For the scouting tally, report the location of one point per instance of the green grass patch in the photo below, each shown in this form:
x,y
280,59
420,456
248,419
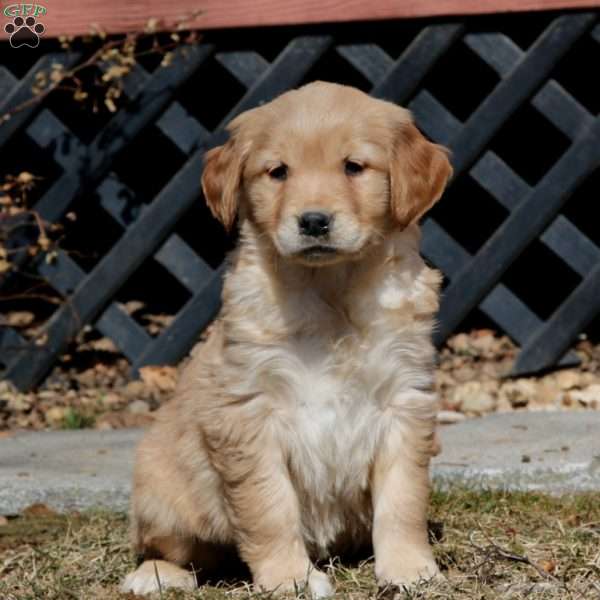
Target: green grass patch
x,y
75,419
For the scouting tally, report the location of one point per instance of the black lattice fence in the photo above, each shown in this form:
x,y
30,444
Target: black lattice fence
x,y
515,98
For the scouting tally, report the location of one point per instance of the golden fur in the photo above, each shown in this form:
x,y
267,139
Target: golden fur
x,y
305,424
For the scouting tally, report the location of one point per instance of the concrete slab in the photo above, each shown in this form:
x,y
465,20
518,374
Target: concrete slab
x,y
554,452
550,452
67,469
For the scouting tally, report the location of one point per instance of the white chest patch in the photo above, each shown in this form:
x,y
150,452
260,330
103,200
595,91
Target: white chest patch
x,y
331,431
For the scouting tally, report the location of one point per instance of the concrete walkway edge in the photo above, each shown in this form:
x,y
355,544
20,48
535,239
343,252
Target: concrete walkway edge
x,y
555,452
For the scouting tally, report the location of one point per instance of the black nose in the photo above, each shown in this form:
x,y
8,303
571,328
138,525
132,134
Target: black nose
x,y
314,224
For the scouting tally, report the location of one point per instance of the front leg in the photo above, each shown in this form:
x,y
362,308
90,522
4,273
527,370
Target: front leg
x,y
264,511
400,492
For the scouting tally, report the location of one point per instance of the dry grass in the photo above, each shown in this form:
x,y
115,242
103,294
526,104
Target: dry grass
x,y
493,545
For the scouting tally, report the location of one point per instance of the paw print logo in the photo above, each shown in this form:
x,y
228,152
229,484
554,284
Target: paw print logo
x,y
24,32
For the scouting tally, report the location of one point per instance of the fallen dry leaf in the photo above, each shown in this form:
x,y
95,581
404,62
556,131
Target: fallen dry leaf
x,y
42,340
156,323
122,420
19,318
103,344
163,378
4,265
132,306
39,510
549,566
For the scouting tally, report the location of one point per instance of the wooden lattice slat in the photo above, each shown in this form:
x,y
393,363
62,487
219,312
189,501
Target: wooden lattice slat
x,y
515,89
545,346
22,93
416,61
475,280
524,224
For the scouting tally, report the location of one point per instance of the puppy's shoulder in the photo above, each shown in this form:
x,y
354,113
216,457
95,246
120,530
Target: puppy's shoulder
x,y
406,284
205,356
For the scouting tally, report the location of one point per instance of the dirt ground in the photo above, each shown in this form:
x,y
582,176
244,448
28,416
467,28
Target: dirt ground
x,y
92,387
489,545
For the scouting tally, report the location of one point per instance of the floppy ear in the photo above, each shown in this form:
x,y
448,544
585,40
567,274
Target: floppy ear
x,y
419,172
222,179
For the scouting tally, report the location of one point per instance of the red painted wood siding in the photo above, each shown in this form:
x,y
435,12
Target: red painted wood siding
x,y
76,17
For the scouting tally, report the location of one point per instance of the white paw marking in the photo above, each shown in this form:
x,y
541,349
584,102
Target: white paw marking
x,y
319,585
144,579
406,576
315,585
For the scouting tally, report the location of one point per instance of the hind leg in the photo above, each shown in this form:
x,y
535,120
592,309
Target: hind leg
x,y
176,513
177,562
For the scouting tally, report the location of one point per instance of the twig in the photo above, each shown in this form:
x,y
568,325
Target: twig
x,y
39,222
95,59
494,551
55,84
160,590
30,296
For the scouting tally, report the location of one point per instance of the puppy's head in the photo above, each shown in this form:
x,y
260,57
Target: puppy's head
x,y
324,171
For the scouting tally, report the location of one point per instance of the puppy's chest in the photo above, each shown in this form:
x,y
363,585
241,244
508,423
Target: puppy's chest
x,y
331,430
337,393
334,417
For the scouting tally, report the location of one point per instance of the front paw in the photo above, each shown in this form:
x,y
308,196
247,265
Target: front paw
x,y
407,571
315,582
156,575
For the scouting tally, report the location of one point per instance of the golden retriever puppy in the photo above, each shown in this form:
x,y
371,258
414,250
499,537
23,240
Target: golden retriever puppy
x,y
304,426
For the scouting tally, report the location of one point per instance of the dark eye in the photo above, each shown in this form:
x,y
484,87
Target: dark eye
x,y
351,167
279,173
